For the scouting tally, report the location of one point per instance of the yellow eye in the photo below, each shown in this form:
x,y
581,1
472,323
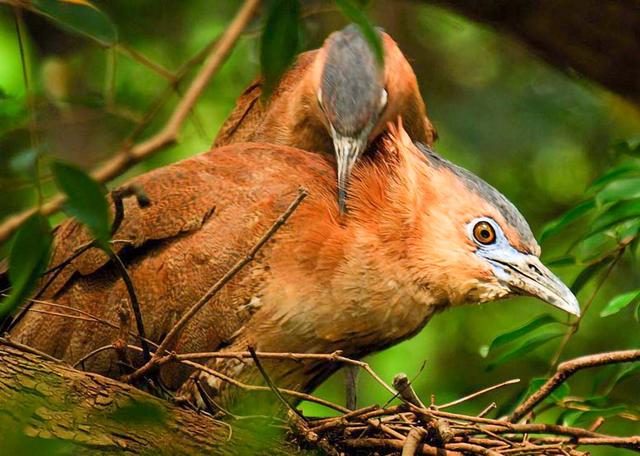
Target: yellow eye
x,y
484,233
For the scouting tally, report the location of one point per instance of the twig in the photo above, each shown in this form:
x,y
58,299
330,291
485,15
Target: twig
x,y
566,370
146,61
60,314
90,316
272,386
471,448
487,409
93,353
576,324
117,196
378,424
411,442
247,387
478,393
208,403
342,420
388,444
11,322
128,156
330,357
405,390
188,315
299,421
76,253
596,424
135,305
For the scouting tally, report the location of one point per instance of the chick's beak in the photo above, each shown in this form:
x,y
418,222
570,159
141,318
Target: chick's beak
x,y
525,274
347,149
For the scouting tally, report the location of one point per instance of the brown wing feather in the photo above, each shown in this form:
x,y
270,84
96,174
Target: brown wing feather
x,y
180,249
246,121
245,117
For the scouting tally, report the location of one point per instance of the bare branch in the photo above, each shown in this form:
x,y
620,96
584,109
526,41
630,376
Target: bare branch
x,y
478,393
566,370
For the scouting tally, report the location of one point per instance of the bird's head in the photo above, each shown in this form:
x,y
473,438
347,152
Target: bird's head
x,y
467,241
357,95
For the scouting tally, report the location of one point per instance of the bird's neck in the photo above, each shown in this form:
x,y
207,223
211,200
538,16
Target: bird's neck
x,y
348,280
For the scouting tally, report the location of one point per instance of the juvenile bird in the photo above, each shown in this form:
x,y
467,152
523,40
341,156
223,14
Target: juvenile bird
x,y
334,100
421,235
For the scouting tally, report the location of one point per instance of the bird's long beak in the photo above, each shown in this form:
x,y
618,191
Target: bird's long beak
x,y
347,149
525,274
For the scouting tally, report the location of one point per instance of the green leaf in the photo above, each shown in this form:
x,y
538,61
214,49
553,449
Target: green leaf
x,y
627,231
85,199
617,213
28,258
561,262
584,418
587,273
619,302
557,395
613,174
554,227
355,15
619,190
527,347
280,40
79,17
596,246
569,417
515,334
624,372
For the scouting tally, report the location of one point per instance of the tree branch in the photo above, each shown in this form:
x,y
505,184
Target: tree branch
x,y
566,370
85,413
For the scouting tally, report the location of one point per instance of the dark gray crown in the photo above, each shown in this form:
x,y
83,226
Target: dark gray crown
x,y
510,213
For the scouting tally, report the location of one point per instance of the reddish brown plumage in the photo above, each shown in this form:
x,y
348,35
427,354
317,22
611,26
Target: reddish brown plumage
x,y
292,116
357,282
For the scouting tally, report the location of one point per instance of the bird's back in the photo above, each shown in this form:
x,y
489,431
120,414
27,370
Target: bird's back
x,y
206,213
247,120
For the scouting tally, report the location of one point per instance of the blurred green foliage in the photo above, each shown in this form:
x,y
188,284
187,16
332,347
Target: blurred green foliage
x,y
562,149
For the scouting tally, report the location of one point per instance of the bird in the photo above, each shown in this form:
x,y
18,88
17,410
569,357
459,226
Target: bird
x,y
336,101
421,235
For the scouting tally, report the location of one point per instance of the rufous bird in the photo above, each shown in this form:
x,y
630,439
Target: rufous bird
x,y
421,235
334,100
